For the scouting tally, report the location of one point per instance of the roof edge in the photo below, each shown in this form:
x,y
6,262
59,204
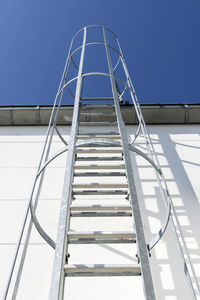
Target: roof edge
x,y
153,114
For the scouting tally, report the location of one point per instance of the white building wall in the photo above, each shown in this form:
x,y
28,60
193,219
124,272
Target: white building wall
x,y
178,148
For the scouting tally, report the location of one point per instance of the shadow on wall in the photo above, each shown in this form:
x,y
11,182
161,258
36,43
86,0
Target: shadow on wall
x,y
178,149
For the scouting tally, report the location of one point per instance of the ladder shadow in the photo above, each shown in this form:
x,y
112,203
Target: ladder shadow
x,y
165,259
118,252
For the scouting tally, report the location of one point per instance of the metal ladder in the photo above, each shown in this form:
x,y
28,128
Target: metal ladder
x,y
96,144
102,144
99,154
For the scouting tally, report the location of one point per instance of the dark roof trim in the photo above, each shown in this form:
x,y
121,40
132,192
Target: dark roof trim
x,y
153,114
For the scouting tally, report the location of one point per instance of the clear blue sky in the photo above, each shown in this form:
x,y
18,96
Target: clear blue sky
x,y
160,40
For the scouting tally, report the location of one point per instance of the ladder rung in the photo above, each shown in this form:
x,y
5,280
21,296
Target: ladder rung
x,y
87,174
93,185
95,166
102,270
100,192
86,106
97,123
97,98
100,234
100,136
93,150
98,207
101,214
93,158
98,133
100,143
103,241
107,114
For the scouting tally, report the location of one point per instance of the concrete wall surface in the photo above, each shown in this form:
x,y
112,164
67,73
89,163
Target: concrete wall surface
x,y
178,149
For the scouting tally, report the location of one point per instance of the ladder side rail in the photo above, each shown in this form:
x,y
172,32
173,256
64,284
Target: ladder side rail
x,y
44,155
57,282
142,247
165,193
